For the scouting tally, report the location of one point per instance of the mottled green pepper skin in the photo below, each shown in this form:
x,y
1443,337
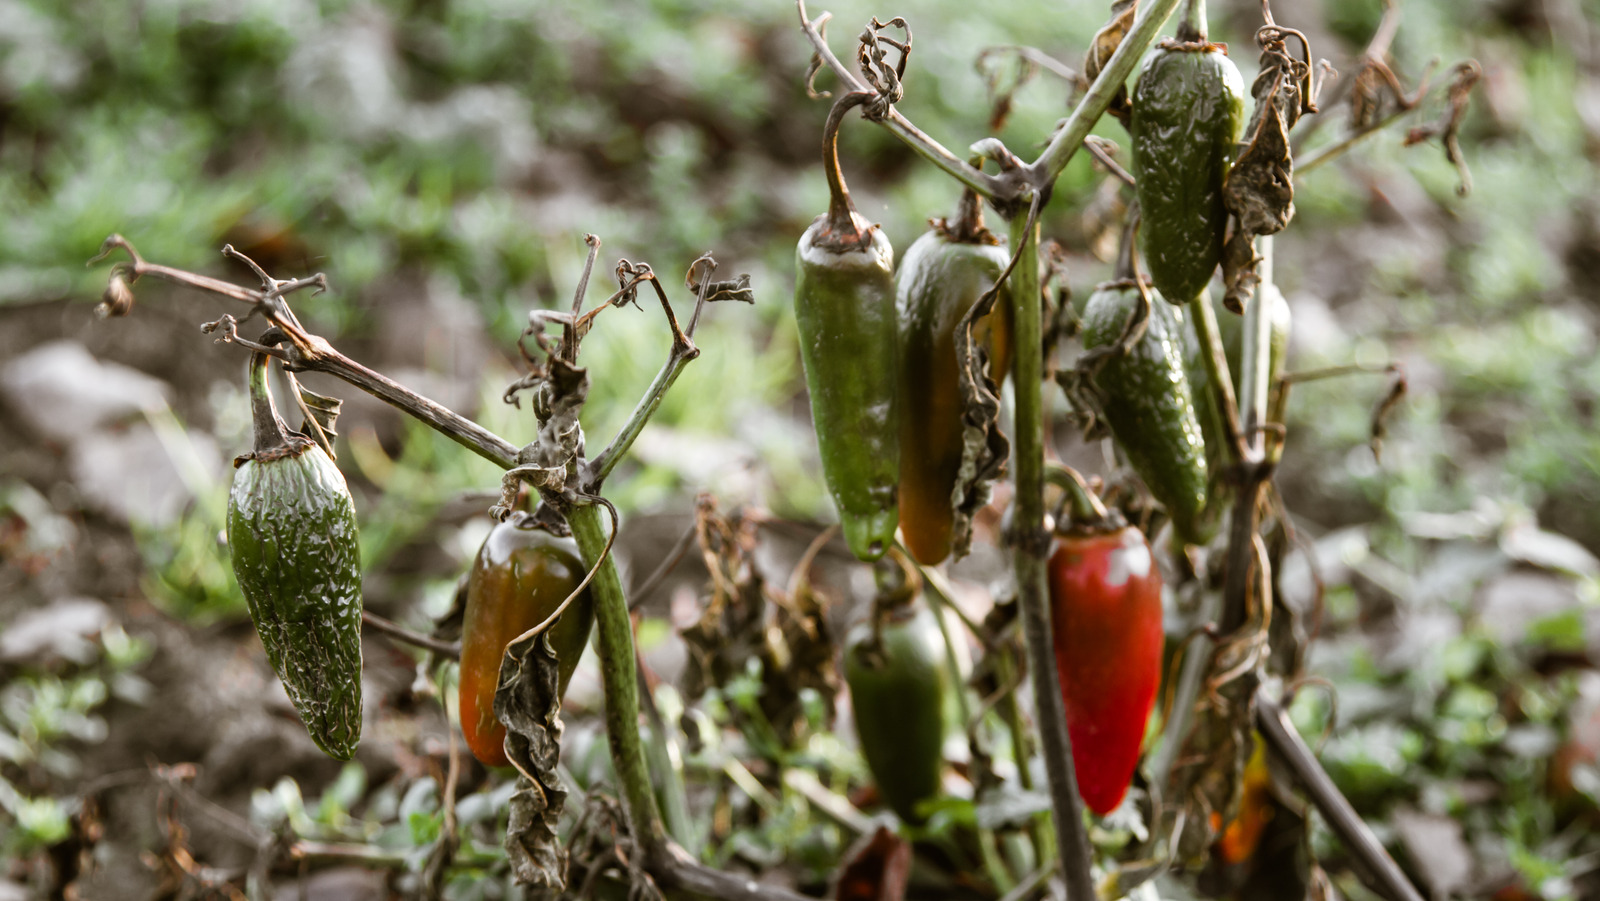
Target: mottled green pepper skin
x,y
899,707
1188,109
1149,406
844,306
292,537
938,282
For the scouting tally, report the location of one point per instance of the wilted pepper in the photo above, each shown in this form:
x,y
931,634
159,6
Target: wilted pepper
x,y
521,575
1188,108
941,276
844,307
292,537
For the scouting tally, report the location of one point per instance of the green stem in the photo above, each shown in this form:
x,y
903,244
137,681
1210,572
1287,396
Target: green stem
x,y
597,470
952,666
1011,712
1242,560
986,843
1031,545
1216,363
1087,509
1193,27
1112,76
1256,357
1175,730
617,669
666,764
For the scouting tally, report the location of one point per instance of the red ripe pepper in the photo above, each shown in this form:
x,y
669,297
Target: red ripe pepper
x,y
1105,605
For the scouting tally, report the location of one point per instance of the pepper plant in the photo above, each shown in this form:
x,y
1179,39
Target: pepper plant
x,y
966,311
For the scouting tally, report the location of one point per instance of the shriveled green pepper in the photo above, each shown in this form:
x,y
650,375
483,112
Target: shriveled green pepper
x,y
292,537
1148,403
844,307
1188,109
941,276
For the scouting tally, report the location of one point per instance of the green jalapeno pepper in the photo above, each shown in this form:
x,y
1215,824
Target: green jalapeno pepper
x,y
844,307
897,690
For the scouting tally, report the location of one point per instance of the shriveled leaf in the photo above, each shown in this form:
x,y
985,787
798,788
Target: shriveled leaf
x,y
809,649
737,289
527,702
559,391
1467,75
1106,41
984,448
1208,779
1002,82
118,297
732,624
1259,189
321,419
877,869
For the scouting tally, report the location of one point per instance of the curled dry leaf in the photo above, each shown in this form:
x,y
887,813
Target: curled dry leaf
x,y
1207,780
737,288
1001,81
559,391
796,651
1106,41
1380,413
731,628
984,448
321,417
1446,129
1259,189
118,297
528,703
887,80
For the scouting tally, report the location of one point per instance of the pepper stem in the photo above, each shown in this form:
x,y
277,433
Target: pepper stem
x,y
967,226
841,212
271,432
1087,510
1130,239
1192,29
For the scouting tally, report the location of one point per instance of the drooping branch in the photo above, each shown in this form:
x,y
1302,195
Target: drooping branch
x,y
667,864
305,352
1274,725
394,630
